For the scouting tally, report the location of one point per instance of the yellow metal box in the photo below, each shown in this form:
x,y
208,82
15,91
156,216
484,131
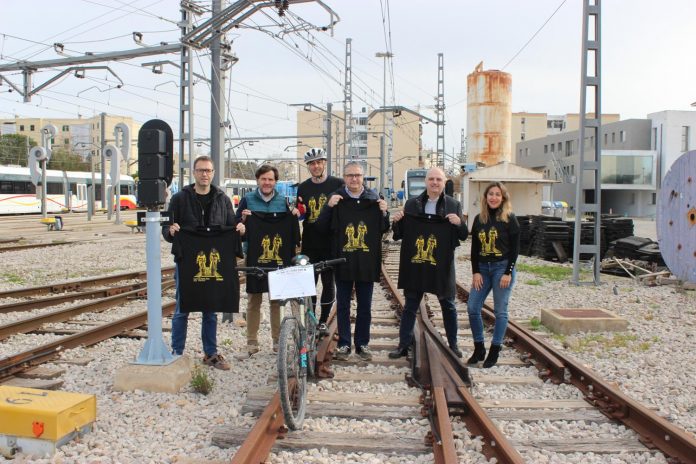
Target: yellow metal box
x,y
53,416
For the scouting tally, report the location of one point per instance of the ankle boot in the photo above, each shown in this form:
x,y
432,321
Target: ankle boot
x,y
479,353
492,358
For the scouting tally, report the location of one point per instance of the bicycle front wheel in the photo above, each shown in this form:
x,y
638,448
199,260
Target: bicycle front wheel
x,y
291,371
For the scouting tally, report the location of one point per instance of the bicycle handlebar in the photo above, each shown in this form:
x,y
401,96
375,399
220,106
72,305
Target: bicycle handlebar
x,y
261,271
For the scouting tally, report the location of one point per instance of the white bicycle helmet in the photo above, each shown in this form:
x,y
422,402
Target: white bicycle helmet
x,y
314,154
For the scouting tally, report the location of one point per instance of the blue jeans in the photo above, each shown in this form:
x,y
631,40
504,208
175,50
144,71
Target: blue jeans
x,y
180,327
491,273
408,318
363,293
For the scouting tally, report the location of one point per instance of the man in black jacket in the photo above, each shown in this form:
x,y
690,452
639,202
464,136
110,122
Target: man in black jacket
x,y
313,194
356,218
420,272
199,204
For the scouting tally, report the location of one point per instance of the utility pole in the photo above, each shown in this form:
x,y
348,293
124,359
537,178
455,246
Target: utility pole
x,y
217,103
440,111
328,136
348,105
102,144
386,56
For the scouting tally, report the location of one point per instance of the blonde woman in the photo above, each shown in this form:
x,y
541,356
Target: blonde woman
x,y
495,243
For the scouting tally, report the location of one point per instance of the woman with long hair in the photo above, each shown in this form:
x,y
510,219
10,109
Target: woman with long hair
x,y
495,243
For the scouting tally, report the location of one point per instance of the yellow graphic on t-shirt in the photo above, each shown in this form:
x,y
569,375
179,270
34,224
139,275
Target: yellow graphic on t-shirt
x,y
488,242
356,242
207,266
424,253
315,205
271,253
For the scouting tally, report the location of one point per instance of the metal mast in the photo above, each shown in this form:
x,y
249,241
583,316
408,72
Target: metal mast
x,y
217,102
440,111
348,106
590,162
188,9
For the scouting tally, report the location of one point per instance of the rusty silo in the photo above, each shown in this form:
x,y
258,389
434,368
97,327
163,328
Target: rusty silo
x,y
489,116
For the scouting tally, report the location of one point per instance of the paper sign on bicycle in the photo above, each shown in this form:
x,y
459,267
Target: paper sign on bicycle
x,y
291,282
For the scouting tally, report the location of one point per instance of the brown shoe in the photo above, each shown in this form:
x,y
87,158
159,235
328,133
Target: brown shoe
x,y
217,361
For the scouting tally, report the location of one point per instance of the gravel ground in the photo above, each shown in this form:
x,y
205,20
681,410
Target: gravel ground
x,y
652,362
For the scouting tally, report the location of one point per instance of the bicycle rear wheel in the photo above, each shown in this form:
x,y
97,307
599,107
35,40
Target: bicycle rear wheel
x,y
293,402
311,338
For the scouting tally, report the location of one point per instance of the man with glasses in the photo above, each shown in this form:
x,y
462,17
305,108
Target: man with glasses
x,y
196,205
313,194
355,217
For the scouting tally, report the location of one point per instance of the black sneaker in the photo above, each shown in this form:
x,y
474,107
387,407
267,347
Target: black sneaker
x,y
398,353
322,329
342,353
365,353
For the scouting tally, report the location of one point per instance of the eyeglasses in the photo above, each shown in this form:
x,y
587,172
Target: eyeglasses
x,y
204,171
352,175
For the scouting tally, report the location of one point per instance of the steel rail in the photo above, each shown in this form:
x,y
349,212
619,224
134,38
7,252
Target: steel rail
x,y
22,361
62,315
326,347
655,431
39,303
32,246
74,285
549,365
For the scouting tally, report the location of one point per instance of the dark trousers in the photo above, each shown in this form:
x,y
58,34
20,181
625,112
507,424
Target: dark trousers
x,y
408,318
328,289
363,293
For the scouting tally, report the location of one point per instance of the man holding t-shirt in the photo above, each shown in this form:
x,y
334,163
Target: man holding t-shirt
x,y
430,228
313,194
355,218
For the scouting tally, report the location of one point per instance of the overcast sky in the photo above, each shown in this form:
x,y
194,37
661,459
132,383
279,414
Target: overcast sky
x,y
648,59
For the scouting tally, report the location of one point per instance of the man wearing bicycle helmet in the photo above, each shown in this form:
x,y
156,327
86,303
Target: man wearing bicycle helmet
x,y
313,194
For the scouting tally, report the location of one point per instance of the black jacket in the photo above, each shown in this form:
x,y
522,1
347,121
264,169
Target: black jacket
x,y
186,210
445,205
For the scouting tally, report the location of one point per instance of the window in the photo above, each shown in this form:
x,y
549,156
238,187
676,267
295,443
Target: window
x,y
559,147
654,199
553,145
21,127
66,141
685,138
31,127
606,139
66,128
546,148
520,153
526,152
654,138
613,137
622,136
569,147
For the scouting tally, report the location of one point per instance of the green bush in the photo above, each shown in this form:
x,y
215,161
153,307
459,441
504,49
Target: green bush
x,y
201,382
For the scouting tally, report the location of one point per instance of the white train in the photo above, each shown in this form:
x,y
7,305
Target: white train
x,y
18,194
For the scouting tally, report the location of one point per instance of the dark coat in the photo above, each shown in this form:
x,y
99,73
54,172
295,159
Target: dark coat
x,y
445,205
186,210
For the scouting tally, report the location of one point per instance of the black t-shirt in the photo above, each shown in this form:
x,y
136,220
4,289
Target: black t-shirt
x,y
207,263
205,201
272,238
314,197
357,236
427,251
495,241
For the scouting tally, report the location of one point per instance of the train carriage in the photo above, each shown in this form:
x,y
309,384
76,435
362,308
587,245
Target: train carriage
x,y
18,194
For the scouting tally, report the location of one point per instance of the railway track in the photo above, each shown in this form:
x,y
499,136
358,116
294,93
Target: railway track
x,y
536,404
60,324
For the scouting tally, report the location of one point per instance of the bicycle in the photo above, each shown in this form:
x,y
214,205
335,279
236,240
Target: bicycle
x,y
297,346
